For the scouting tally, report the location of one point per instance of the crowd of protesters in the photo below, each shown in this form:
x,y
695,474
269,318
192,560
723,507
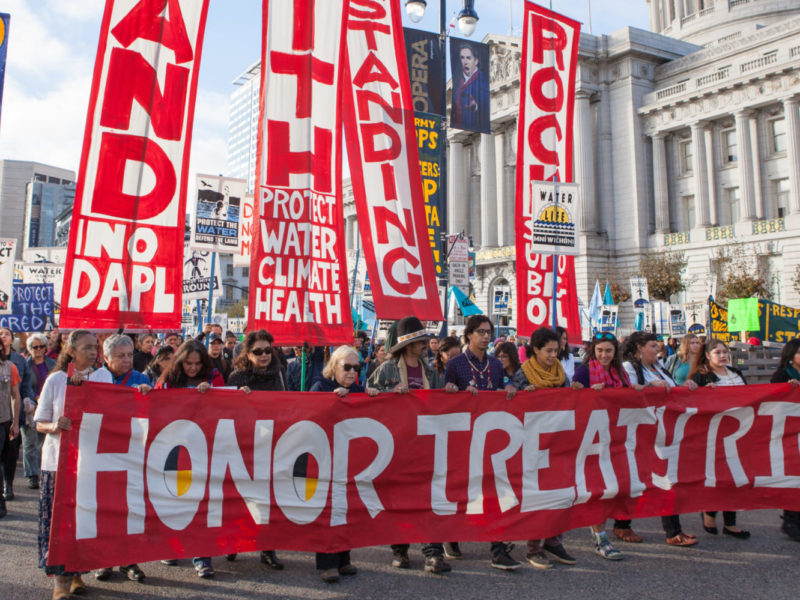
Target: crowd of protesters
x,y
36,369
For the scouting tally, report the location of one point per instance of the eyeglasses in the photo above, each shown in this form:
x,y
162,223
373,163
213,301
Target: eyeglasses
x,y
604,336
260,351
347,367
38,347
483,331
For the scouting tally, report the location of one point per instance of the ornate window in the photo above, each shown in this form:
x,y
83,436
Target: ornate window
x,y
777,130
730,150
685,153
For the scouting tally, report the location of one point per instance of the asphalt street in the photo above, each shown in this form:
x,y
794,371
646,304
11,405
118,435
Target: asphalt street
x,y
719,567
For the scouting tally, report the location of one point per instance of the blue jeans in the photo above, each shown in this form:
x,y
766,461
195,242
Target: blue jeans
x,y
31,450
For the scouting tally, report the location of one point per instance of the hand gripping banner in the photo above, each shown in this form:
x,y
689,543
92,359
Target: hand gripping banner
x,y
298,268
549,61
124,265
384,163
178,473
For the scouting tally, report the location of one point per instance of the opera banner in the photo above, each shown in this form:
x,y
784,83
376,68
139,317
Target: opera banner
x,y
217,213
178,474
425,69
384,163
34,308
777,323
298,267
544,153
5,20
242,257
470,108
429,144
718,316
124,261
7,249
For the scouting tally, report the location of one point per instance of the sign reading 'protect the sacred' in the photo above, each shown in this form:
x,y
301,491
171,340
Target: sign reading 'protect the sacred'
x,y
124,264
177,473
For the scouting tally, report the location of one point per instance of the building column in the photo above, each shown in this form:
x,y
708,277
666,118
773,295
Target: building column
x,y
793,151
758,197
500,180
457,197
745,165
660,189
584,162
700,174
348,233
488,212
711,176
355,238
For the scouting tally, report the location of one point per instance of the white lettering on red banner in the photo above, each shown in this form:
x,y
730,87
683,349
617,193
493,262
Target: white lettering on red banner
x,y
549,61
231,473
124,264
297,269
384,163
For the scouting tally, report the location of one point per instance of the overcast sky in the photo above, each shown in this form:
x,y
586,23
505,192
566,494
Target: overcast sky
x,y
53,44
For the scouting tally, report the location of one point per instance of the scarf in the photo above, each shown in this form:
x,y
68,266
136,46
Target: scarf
x,y
401,366
610,378
541,377
793,373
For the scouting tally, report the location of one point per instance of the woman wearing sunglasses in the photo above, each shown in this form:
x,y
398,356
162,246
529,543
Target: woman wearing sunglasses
x,y
40,366
602,368
339,376
257,367
711,368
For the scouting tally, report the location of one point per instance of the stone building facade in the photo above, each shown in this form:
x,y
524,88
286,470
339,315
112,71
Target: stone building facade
x,y
686,138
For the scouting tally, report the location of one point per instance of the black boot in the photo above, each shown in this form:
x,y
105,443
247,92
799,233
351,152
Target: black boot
x,y
3,510
791,524
9,490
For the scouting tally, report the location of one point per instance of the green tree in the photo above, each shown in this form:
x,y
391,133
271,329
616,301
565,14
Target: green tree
x,y
741,274
664,273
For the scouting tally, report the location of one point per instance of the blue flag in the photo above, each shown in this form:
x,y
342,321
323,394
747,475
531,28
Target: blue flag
x,y
594,305
607,297
467,306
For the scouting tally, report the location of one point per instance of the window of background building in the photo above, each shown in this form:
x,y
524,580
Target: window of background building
x,y
229,293
734,205
688,209
685,150
39,177
246,272
777,129
229,270
781,187
729,147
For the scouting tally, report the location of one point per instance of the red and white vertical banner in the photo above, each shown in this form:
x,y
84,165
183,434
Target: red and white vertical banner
x,y
549,61
384,163
124,265
299,271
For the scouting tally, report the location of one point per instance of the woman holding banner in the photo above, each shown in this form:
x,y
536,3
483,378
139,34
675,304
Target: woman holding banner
x,y
339,376
160,363
642,368
788,371
192,368
680,363
544,370
74,365
601,369
257,367
711,368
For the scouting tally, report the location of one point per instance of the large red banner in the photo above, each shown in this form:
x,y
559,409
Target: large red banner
x,y
177,473
544,151
384,163
124,264
298,269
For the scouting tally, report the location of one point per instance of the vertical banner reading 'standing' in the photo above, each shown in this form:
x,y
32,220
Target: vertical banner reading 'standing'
x,y
549,61
124,265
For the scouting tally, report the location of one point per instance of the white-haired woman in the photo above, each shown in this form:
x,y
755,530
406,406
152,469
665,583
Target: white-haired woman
x,y
339,376
118,351
40,366
74,365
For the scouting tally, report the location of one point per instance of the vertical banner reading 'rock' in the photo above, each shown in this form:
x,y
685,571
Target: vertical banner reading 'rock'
x,y
384,163
124,266
549,61
298,268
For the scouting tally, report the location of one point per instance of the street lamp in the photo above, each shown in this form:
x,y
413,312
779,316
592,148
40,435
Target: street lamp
x,y
467,21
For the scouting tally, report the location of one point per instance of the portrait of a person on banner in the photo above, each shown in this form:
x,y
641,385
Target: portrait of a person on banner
x,y
469,62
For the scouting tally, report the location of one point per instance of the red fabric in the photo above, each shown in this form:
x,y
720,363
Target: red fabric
x,y
608,377
384,164
535,442
15,378
124,262
298,259
544,151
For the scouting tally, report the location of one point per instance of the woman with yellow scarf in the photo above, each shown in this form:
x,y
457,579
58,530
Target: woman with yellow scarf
x,y
544,370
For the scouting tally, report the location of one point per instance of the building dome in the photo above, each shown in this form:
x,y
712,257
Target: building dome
x,y
711,22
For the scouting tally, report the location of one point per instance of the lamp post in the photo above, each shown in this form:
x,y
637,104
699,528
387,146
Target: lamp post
x,y
467,22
